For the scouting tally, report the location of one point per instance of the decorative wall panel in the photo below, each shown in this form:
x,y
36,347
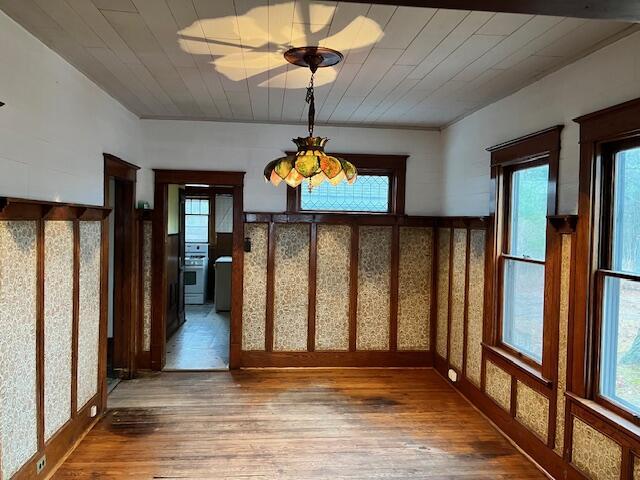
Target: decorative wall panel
x,y
58,323
147,247
332,287
458,280
636,469
414,288
89,311
563,320
374,288
532,410
254,285
595,454
475,306
498,385
18,290
442,320
291,287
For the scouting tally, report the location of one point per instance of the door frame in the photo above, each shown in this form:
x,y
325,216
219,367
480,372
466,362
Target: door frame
x,y
125,290
163,178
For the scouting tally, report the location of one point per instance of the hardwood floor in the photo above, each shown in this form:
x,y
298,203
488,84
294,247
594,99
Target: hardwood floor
x,y
294,424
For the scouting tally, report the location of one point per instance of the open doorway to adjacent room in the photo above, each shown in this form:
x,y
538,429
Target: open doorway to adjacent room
x,y
200,219
200,230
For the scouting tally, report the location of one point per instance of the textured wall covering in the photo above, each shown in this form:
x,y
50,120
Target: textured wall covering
x,y
498,385
458,278
442,325
532,410
18,277
89,312
636,469
562,341
414,288
475,306
332,287
58,324
147,247
595,454
254,297
374,288
291,287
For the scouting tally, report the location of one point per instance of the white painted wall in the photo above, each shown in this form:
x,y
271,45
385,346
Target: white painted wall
x,y
56,124
606,77
249,147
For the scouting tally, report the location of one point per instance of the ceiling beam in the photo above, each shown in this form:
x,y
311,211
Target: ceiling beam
x,y
624,10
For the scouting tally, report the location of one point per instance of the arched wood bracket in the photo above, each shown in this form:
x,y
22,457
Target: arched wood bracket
x,y
24,209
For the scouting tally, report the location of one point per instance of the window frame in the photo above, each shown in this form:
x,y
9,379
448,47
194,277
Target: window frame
x,y
208,215
392,166
603,251
539,148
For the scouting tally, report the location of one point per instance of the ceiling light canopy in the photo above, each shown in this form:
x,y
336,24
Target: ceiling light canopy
x,y
310,163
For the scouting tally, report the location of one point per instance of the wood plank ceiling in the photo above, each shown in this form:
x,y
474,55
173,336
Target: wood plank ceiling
x,y
222,59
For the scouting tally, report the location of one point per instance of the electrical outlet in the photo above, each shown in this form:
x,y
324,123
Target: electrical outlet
x,y
94,411
453,375
41,464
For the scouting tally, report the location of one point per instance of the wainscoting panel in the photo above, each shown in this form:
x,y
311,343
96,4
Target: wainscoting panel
x,y
414,288
332,287
291,288
58,323
18,291
595,454
255,287
636,469
458,298
374,288
89,311
498,385
475,307
147,247
532,410
442,280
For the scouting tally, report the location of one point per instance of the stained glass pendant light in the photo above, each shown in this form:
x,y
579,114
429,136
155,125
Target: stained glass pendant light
x,y
310,163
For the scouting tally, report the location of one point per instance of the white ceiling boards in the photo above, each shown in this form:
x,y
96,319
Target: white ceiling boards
x,y
222,59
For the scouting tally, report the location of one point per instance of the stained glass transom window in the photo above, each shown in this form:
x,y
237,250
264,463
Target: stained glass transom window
x,y
370,193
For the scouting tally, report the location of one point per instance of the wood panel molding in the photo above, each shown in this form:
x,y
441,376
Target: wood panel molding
x,y
12,208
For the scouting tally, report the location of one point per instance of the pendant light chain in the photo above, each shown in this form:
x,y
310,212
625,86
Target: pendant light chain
x,y
310,99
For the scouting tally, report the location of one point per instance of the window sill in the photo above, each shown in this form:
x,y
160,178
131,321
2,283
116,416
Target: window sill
x,y
516,366
602,413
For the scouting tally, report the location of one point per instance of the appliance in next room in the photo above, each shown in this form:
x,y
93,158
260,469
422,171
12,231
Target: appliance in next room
x,y
223,284
196,264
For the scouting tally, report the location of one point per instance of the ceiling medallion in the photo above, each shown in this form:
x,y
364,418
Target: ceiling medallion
x,y
310,162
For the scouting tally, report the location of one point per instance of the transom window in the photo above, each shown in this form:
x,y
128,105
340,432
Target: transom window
x,y
618,278
370,193
523,259
196,220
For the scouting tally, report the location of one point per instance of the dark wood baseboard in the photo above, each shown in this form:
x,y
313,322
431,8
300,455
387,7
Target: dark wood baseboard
x,y
62,443
336,359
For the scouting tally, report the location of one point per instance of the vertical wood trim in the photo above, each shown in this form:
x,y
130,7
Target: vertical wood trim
x,y
395,280
237,278
435,233
313,268
159,277
40,329
104,317
514,395
76,318
271,251
487,320
465,320
448,362
353,287
626,468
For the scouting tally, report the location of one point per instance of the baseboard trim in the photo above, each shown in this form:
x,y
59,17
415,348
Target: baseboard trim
x,y
250,359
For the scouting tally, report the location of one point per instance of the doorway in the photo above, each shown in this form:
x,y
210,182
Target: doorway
x,y
119,195
195,323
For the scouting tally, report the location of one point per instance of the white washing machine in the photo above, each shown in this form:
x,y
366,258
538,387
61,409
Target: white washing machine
x,y
196,263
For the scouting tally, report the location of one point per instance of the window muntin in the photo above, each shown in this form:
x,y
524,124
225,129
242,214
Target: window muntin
x,y
523,264
619,303
197,220
370,193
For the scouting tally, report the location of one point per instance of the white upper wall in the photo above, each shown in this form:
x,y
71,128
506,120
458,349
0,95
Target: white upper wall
x,y
56,124
249,147
606,77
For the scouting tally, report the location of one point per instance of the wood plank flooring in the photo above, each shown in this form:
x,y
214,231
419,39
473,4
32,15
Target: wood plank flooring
x,y
294,424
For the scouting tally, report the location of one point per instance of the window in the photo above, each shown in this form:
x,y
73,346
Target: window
x,y
197,220
379,188
618,278
523,259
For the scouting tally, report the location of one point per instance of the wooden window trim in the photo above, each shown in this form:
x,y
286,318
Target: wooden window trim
x,y
395,166
538,148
